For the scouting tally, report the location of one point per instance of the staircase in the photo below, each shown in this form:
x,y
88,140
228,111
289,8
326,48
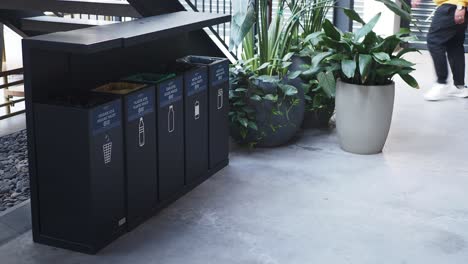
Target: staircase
x,y
36,17
28,17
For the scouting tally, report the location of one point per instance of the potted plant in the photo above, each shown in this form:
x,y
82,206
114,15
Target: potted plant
x,y
365,65
266,108
319,98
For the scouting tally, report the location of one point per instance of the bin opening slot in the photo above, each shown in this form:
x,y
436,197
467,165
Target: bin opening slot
x,y
198,60
119,88
153,78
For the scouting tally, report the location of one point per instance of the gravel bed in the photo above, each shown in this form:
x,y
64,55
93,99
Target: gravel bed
x,y
14,172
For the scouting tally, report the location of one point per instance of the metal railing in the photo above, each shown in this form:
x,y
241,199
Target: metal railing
x,y
221,31
6,85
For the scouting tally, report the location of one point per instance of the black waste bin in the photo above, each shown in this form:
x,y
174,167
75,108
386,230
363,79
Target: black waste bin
x,y
218,107
78,148
196,120
170,131
139,123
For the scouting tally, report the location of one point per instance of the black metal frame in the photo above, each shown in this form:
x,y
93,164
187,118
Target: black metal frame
x,y
213,31
340,20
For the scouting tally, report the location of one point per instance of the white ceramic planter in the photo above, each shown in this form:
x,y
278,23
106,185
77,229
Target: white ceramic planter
x,y
363,116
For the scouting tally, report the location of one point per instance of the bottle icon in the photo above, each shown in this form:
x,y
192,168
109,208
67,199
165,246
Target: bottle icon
x,y
107,149
141,132
170,119
197,110
220,98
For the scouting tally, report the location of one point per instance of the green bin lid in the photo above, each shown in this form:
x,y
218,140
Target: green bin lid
x,y
151,78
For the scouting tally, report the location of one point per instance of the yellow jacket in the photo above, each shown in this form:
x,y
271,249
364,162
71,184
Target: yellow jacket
x,y
453,2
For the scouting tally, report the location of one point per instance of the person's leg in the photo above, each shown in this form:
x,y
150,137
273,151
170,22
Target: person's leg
x,y
456,55
443,29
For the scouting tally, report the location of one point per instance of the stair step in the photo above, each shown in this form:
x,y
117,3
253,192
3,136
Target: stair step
x,y
47,24
94,7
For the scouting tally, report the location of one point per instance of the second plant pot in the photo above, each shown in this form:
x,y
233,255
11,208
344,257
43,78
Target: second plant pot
x,y
277,122
363,116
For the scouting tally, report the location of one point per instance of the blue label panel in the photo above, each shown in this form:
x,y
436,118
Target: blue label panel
x,y
219,73
140,103
196,81
170,91
106,117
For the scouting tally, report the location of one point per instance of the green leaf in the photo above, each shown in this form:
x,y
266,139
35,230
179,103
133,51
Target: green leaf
x,y
328,83
388,45
243,121
294,74
256,98
406,50
336,45
396,9
331,31
317,59
313,37
286,64
403,32
399,63
367,28
353,15
252,125
310,73
240,90
264,66
348,67
239,103
271,97
288,56
248,110
381,56
365,63
287,89
337,57
370,40
410,80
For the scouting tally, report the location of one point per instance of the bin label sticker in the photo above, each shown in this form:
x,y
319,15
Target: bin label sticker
x,y
219,73
106,117
195,82
140,104
170,92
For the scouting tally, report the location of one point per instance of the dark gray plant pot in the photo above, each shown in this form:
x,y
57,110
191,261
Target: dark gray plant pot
x,y
297,61
264,136
265,119
317,119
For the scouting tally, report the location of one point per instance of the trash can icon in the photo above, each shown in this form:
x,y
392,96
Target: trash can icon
x,y
107,150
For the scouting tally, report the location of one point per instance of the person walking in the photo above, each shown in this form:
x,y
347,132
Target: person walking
x,y
445,40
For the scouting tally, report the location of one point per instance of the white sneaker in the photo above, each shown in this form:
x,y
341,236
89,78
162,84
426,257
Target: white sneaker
x,y
458,91
437,92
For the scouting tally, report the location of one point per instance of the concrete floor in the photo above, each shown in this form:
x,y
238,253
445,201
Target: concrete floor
x,y
310,202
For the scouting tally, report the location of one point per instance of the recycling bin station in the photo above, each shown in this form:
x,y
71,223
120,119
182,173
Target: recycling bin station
x,y
139,123
111,140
